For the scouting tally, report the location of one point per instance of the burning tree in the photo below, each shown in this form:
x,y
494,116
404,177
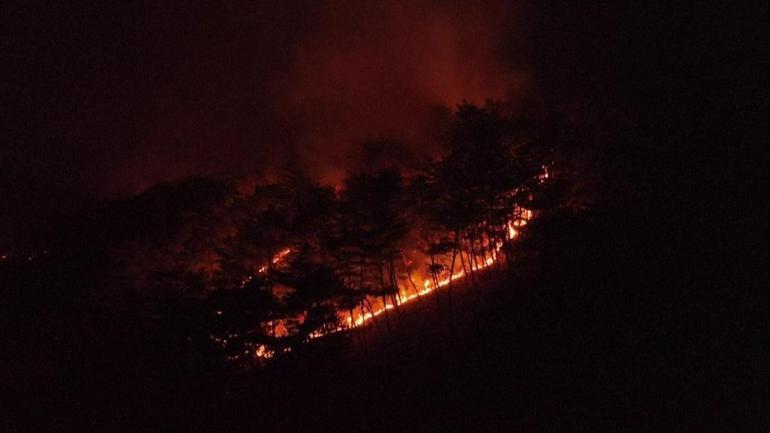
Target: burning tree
x,y
293,260
372,223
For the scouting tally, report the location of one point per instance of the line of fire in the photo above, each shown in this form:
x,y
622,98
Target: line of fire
x,y
290,261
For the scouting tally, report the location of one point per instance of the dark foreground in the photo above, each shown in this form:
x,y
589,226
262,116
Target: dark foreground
x,y
602,330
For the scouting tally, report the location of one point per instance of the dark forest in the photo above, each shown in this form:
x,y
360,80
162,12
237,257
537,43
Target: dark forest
x,y
382,216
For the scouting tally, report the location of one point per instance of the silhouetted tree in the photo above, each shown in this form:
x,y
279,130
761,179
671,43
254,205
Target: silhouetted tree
x,y
373,211
237,315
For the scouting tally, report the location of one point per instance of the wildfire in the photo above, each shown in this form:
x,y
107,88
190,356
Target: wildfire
x,y
428,287
518,223
350,319
278,258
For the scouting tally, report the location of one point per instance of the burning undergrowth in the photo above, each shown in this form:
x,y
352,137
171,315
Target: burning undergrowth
x,y
291,260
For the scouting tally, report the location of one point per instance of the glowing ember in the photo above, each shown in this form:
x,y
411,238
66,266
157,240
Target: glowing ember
x,y
353,319
357,320
428,287
276,259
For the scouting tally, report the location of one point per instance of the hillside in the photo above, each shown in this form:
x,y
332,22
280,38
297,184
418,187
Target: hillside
x,y
564,345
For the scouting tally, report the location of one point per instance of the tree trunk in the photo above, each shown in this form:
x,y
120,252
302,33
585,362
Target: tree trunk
x,y
469,253
485,249
508,250
371,311
384,300
465,271
394,295
363,330
496,255
473,263
434,278
409,276
451,274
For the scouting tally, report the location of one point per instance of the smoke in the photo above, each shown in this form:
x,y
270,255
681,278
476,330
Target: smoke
x,y
392,71
306,84
107,99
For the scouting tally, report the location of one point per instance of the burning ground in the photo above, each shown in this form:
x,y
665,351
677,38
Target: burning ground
x,y
289,260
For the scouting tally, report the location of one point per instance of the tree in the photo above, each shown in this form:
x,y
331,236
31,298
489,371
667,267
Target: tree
x,y
491,166
372,212
236,317
316,293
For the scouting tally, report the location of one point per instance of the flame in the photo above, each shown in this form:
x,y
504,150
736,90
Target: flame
x,y
402,298
276,259
263,352
428,286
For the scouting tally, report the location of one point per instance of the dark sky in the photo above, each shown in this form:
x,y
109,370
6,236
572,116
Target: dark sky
x,y
103,99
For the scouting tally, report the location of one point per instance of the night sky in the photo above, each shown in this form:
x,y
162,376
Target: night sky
x,y
102,99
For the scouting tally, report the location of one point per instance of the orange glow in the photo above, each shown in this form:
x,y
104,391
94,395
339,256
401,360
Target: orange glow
x,y
403,297
263,352
276,259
